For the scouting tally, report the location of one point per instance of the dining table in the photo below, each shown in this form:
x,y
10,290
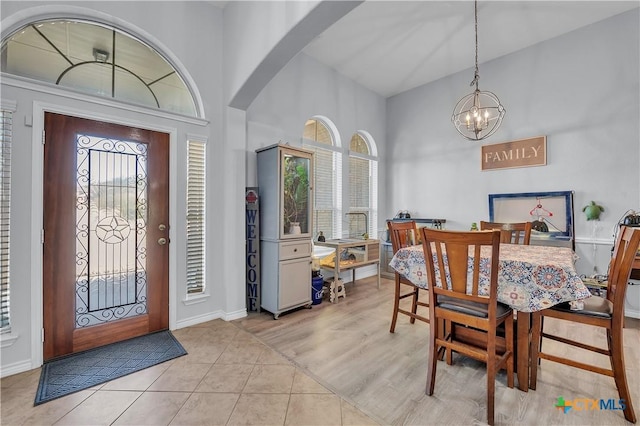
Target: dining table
x,y
530,278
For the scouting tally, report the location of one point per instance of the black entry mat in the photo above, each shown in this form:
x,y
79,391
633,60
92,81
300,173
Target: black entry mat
x,y
73,373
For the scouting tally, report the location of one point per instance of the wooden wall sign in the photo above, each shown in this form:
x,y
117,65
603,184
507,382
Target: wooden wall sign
x,y
519,153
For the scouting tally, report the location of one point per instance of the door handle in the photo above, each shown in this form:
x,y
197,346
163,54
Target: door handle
x,y
162,227
162,241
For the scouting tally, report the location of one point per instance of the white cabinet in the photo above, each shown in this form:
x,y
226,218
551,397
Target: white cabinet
x,y
285,175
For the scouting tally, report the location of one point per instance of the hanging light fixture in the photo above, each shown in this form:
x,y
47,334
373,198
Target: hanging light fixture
x,y
479,114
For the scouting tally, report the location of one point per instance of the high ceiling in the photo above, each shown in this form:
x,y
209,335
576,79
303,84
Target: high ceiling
x,y
393,46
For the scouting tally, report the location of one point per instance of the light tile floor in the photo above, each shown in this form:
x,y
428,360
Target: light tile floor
x,y
227,378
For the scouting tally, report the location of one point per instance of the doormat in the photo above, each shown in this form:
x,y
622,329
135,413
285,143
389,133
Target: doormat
x,y
73,373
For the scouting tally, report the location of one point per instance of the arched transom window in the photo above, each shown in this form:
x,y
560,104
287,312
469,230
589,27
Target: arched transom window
x,y
97,59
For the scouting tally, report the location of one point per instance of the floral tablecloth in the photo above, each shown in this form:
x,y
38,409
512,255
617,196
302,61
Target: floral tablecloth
x,y
531,278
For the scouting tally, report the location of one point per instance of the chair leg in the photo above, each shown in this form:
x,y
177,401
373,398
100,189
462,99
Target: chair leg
x,y
433,356
508,331
536,340
540,343
414,304
396,306
449,327
491,379
616,349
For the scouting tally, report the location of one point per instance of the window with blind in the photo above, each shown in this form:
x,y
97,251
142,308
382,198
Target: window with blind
x,y
363,188
196,217
327,187
5,198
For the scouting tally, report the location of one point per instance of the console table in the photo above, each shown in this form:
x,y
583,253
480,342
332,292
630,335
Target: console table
x,y
349,254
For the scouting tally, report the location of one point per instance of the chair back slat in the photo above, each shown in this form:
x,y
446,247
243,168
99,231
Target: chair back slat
x,y
442,268
620,267
476,269
510,233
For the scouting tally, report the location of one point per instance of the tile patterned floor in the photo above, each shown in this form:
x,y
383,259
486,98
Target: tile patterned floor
x,y
228,378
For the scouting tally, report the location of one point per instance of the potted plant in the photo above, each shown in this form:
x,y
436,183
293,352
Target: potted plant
x,y
296,194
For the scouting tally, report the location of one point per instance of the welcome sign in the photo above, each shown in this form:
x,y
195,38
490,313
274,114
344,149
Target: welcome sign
x,y
519,153
253,249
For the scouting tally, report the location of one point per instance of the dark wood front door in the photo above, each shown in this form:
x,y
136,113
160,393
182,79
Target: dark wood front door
x,y
106,221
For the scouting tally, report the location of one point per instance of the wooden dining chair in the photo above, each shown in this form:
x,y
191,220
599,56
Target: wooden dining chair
x,y
459,298
513,233
607,313
404,234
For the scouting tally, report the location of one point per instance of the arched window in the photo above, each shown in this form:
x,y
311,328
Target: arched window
x,y
363,186
98,59
321,137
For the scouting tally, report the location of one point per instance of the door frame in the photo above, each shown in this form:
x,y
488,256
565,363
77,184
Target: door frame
x,y
37,211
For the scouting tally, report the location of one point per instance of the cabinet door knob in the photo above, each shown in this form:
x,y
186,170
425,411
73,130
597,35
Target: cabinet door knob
x,y
295,250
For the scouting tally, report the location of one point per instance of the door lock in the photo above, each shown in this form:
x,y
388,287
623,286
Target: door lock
x,y
162,241
162,227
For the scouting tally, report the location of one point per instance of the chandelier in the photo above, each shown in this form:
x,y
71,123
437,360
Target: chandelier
x,y
479,114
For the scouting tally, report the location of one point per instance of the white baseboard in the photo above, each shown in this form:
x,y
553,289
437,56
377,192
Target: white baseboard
x,y
226,316
199,319
15,368
632,313
230,316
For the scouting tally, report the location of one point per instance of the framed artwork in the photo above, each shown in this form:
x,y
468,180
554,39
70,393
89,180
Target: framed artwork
x,y
551,213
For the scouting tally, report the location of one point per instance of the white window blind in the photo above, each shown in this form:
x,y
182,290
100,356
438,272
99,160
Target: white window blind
x,y
327,190
327,166
196,217
363,188
5,198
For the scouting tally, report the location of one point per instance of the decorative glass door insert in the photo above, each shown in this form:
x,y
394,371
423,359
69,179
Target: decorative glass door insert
x,y
111,220
296,193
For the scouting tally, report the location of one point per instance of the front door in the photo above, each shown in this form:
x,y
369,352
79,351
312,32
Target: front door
x,y
106,212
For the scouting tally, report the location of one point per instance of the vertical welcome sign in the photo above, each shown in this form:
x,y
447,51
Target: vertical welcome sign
x,y
253,249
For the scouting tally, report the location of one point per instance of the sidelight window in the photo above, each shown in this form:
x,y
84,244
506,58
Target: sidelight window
x,y
196,191
6,117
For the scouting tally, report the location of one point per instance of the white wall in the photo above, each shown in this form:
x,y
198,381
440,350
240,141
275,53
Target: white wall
x,y
305,88
262,36
580,90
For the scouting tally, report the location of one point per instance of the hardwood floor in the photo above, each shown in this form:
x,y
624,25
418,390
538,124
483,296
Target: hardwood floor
x,y
347,347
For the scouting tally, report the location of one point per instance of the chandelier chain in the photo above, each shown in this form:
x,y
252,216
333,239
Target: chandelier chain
x,y
477,75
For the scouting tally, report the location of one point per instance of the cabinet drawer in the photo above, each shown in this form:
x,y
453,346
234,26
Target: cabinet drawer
x,y
293,249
